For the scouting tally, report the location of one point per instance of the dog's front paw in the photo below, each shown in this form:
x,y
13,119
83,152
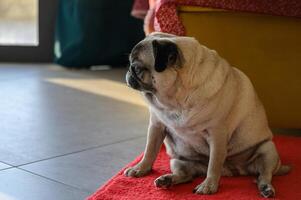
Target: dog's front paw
x,y
137,171
208,186
164,181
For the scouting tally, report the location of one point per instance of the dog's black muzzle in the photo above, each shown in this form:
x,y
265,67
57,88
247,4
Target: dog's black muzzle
x,y
135,82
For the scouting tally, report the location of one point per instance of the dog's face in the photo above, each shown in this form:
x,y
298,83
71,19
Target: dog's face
x,y
153,64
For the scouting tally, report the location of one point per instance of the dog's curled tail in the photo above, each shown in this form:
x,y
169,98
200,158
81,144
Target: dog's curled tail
x,y
283,170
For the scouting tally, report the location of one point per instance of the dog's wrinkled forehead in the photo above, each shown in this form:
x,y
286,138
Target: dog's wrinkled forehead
x,y
143,52
155,51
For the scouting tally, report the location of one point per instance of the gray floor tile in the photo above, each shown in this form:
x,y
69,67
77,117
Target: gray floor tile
x,y
89,169
4,166
9,71
17,184
40,119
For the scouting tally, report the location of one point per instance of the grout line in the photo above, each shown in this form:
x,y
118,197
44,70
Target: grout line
x,y
82,150
7,168
7,164
50,179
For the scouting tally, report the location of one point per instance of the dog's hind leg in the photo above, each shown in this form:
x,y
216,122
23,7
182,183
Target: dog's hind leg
x,y
182,171
265,165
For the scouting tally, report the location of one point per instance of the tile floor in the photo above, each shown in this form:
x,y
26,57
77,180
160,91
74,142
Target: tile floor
x,y
63,133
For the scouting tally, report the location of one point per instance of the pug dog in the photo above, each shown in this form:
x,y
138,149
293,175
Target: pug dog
x,y
205,111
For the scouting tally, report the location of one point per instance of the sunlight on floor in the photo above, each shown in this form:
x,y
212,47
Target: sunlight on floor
x,y
112,89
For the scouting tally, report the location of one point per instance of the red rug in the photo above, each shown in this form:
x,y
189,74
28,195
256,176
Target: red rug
x,y
238,188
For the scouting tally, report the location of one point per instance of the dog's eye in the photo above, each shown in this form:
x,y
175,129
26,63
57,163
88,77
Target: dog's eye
x,y
140,70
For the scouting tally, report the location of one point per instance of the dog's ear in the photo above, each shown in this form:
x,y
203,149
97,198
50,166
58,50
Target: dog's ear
x,y
165,54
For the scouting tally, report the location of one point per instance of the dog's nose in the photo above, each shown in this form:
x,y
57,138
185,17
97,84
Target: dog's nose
x,y
133,82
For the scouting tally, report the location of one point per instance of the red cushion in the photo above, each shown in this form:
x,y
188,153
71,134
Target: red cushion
x,y
166,19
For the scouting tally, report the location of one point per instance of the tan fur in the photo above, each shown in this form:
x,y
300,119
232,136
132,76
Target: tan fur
x,y
210,116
